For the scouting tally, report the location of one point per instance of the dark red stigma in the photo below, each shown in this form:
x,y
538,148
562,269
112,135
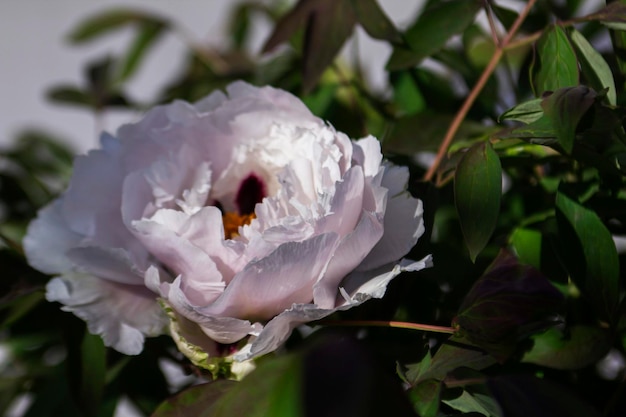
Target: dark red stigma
x,y
251,191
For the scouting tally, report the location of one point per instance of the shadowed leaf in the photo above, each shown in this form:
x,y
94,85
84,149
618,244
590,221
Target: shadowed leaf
x,y
594,67
432,30
565,108
375,22
327,24
574,348
103,23
524,396
195,400
591,257
456,352
477,193
507,304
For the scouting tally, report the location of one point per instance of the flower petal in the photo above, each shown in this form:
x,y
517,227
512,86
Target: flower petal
x,y
121,314
48,239
270,285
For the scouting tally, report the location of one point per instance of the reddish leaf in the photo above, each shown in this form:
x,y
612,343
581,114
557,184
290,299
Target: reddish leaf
x,y
508,303
328,24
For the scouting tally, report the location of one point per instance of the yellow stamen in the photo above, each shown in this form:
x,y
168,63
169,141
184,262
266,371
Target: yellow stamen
x,y
232,221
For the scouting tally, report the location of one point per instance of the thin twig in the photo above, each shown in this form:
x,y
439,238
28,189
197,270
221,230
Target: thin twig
x,y
473,95
492,24
393,324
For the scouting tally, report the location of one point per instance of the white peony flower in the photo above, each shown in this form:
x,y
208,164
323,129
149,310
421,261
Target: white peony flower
x,y
245,214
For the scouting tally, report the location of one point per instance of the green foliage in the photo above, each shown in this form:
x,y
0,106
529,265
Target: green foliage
x,y
522,209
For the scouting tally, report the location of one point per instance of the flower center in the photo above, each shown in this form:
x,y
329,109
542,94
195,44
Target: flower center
x,y
232,221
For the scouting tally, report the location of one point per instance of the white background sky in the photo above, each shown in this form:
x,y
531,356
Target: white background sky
x,y
34,56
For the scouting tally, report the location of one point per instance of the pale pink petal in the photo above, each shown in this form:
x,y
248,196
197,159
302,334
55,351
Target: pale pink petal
x,y
121,314
278,330
270,285
114,264
351,251
48,239
403,222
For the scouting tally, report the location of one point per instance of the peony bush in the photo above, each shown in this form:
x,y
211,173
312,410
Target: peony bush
x,y
234,219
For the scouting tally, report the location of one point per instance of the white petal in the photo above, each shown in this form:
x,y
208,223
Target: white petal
x,y
403,222
121,314
114,264
351,251
48,239
278,330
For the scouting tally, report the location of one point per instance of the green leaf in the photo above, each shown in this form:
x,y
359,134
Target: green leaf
x,y
406,93
508,303
594,67
476,401
273,389
71,95
477,193
558,66
526,112
93,372
195,400
591,257
425,397
145,38
573,348
455,353
527,246
103,23
432,30
565,108
375,22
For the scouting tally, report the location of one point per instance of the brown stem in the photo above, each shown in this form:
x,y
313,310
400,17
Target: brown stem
x,y
394,324
473,95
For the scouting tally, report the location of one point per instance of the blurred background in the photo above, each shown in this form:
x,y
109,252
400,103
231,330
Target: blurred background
x,y
35,56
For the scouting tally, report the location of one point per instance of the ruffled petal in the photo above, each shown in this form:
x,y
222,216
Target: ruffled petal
x,y
278,330
270,285
121,314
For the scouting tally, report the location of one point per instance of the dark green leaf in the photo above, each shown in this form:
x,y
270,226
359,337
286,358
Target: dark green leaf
x,y
507,304
195,400
477,192
524,396
526,112
374,20
539,131
406,93
145,38
432,30
93,366
565,108
273,389
558,67
594,67
103,23
328,23
475,400
573,348
453,354
591,257
72,96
